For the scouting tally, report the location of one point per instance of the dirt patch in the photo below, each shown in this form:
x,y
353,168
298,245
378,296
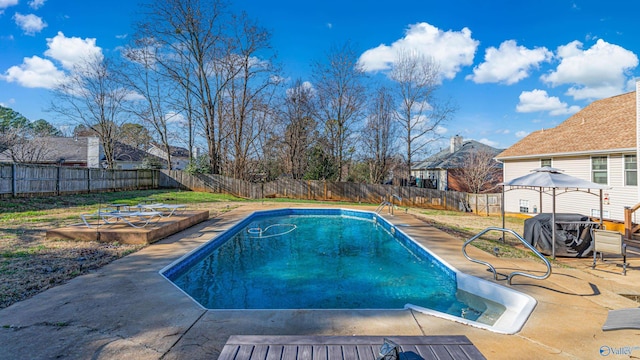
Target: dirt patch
x,y
30,263
26,271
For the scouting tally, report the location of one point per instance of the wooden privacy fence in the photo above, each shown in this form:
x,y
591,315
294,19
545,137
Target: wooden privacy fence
x,y
334,191
30,180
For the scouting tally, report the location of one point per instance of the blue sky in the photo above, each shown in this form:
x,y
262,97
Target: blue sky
x,y
511,67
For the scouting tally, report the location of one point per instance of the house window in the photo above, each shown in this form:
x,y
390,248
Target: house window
x,y
599,169
524,206
545,162
630,170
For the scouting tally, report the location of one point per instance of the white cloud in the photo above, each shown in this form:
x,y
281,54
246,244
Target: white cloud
x,y
440,130
11,101
521,134
508,64
488,142
175,117
330,25
30,24
38,72
123,36
35,72
6,3
539,100
70,51
304,87
598,72
133,96
451,50
36,4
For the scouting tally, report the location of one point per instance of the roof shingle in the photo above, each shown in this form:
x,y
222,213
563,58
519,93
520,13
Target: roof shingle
x,y
607,124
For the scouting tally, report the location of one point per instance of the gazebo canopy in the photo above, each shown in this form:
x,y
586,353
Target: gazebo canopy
x,y
548,177
551,178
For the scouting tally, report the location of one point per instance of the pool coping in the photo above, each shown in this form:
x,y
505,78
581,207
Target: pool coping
x,y
519,306
126,310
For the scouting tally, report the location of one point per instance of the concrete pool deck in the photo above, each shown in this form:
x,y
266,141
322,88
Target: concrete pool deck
x,y
126,310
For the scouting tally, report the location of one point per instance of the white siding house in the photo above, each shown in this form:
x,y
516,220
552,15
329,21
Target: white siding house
x,y
179,155
598,143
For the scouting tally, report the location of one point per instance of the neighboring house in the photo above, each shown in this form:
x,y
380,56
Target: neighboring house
x,y
179,155
444,170
78,152
50,151
128,157
597,143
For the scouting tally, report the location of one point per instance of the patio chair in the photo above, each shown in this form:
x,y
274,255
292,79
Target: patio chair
x,y
136,219
165,210
605,241
98,215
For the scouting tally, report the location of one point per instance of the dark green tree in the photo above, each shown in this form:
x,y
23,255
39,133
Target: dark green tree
x,y
13,126
199,165
44,128
321,165
10,118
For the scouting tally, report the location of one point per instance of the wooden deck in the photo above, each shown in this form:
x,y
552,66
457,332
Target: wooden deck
x,y
346,347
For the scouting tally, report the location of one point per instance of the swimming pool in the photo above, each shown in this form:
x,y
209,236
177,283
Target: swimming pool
x,y
337,259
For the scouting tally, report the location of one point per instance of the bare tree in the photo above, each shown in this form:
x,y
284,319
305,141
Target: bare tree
x,y
190,35
248,94
27,149
297,119
378,135
145,78
420,113
93,96
341,98
479,172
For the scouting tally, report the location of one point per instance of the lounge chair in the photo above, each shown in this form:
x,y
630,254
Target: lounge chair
x,y
165,210
605,241
136,219
98,214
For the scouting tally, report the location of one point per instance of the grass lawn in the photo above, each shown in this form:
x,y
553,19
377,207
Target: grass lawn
x,y
29,263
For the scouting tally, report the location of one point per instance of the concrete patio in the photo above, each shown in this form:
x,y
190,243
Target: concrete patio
x,y
126,310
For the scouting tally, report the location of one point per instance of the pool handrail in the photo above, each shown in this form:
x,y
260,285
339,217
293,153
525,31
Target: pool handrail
x,y
515,273
380,207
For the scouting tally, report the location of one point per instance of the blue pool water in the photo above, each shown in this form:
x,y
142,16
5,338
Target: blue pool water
x,y
318,261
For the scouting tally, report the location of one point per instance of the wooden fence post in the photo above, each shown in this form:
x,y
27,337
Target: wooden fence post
x,y
325,189
14,181
486,202
58,180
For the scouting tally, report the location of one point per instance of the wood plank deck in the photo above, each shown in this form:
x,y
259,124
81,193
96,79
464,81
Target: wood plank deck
x,y
345,347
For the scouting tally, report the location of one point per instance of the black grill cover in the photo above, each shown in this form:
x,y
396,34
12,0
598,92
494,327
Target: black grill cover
x,y
573,236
